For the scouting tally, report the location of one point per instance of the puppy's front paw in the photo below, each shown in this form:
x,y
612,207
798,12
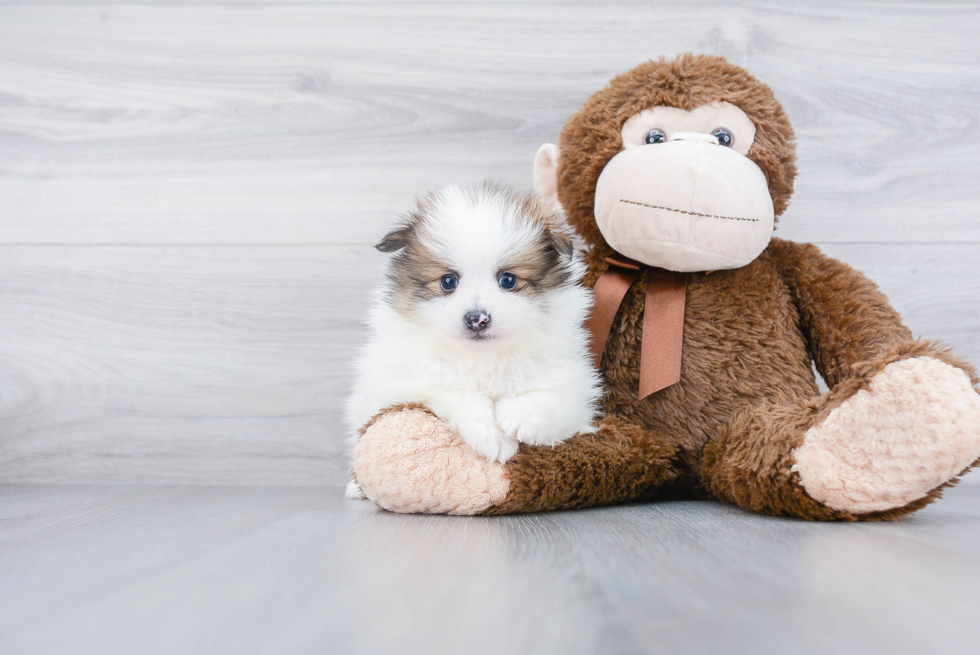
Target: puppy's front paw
x,y
523,419
483,436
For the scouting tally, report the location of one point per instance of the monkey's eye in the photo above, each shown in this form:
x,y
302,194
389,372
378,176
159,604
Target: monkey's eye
x,y
448,282
507,281
655,136
724,137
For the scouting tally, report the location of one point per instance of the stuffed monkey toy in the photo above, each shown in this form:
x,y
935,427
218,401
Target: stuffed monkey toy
x,y
705,328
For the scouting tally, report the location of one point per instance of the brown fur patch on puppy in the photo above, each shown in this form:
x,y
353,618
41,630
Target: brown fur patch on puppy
x,y
542,263
593,136
538,265
415,270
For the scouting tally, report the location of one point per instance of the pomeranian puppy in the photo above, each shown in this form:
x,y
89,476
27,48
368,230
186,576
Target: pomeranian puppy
x,y
480,317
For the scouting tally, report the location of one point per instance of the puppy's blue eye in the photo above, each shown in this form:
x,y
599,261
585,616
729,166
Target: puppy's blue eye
x,y
448,282
507,281
655,136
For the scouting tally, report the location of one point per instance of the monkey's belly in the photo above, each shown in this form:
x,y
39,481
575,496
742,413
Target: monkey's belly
x,y
742,346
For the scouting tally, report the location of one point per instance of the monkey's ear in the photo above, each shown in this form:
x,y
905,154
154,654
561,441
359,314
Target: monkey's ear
x,y
546,175
396,239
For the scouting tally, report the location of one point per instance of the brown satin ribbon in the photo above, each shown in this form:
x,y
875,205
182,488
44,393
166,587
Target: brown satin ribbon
x,y
663,320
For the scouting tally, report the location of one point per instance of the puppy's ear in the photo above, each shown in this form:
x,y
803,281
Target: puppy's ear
x,y
396,239
561,240
402,235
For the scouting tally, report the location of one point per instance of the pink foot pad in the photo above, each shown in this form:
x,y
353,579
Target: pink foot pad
x,y
912,429
409,461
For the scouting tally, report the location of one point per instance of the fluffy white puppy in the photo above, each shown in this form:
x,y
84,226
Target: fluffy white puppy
x,y
480,317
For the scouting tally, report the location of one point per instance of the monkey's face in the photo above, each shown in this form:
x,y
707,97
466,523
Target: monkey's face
x,y
682,164
682,195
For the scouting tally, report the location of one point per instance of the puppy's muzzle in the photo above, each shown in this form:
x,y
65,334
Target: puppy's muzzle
x,y
477,321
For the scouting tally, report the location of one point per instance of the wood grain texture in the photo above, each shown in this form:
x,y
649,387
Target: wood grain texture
x,y
229,364
291,570
317,123
209,364
188,193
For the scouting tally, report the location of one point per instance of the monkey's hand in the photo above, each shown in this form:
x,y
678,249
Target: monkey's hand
x,y
408,460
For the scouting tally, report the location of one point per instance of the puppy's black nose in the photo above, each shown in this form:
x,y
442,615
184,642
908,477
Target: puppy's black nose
x,y
477,320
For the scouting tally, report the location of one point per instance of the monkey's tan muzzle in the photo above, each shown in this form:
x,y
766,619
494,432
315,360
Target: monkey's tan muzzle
x,y
686,205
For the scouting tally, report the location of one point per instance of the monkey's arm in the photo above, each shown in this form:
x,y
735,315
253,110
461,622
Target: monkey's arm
x,y
617,463
407,460
901,421
844,316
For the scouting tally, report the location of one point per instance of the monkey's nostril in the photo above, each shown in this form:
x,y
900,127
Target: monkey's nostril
x,y
477,320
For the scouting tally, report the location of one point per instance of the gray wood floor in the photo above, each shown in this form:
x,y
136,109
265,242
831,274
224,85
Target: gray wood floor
x,y
181,569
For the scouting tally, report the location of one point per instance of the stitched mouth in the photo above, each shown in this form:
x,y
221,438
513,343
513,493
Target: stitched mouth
x,y
681,211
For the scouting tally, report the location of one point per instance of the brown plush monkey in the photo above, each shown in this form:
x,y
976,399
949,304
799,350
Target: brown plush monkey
x,y
674,175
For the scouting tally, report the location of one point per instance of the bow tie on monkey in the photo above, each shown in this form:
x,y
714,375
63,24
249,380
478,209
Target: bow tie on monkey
x,y
681,196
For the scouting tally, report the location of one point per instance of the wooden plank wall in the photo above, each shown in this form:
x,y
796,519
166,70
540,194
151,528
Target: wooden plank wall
x,y
188,193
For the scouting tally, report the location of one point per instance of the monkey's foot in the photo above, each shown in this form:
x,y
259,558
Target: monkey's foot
x,y
912,429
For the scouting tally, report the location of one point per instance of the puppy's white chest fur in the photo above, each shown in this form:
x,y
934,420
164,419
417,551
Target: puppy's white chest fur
x,y
480,318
